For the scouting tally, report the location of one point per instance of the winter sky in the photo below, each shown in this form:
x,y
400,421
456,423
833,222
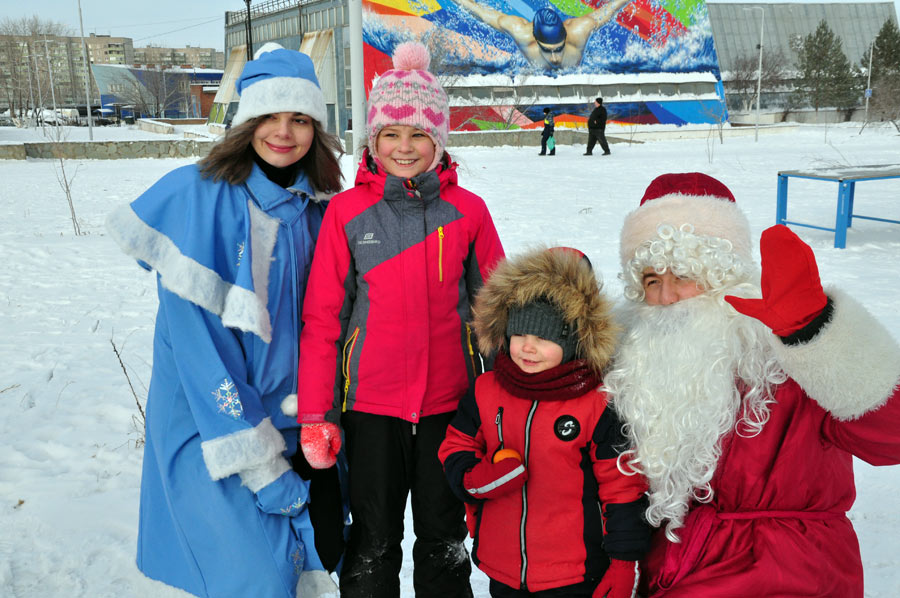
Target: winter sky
x,y
170,23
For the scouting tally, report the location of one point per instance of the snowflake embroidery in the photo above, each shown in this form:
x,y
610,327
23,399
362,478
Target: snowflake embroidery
x,y
293,508
228,400
297,557
240,252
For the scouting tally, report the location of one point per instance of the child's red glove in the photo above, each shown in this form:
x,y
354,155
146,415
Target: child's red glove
x,y
791,289
320,443
490,480
619,581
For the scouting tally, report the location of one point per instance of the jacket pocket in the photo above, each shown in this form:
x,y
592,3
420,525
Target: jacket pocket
x,y
345,368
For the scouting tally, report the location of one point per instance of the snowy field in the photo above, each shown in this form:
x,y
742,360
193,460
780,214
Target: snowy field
x,y
108,133
70,451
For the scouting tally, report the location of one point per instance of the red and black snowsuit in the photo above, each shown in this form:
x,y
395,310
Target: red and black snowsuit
x,y
576,509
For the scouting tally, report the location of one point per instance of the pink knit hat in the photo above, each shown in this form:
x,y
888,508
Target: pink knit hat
x,y
410,95
676,210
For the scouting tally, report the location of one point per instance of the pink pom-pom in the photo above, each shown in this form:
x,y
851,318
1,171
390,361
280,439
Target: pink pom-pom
x,y
410,56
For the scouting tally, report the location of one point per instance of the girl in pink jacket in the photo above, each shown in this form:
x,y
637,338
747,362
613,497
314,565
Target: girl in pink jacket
x,y
387,351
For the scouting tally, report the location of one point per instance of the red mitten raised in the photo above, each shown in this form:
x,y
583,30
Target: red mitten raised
x,y
320,443
791,289
619,581
490,480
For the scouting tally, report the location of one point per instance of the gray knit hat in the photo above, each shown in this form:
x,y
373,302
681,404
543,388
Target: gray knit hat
x,y
543,318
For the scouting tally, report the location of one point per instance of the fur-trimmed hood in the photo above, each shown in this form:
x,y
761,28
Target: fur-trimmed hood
x,y
563,276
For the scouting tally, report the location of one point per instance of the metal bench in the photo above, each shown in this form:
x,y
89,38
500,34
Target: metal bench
x,y
846,178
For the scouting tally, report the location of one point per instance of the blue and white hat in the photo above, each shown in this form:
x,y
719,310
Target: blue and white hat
x,y
279,80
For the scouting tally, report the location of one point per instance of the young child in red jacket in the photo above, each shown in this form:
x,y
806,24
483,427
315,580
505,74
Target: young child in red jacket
x,y
386,352
534,452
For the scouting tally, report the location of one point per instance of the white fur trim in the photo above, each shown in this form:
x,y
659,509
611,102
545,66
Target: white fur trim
x,y
243,315
267,47
289,405
281,94
255,453
709,216
190,279
851,367
316,584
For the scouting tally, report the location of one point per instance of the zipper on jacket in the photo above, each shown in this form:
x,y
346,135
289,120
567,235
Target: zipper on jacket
x,y
498,421
441,255
411,185
348,353
470,349
528,422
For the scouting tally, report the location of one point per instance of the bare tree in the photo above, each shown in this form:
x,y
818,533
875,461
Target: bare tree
x,y
152,91
744,76
25,78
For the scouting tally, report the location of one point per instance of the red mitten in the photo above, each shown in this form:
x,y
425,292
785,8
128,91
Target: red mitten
x,y
791,289
619,581
320,443
490,480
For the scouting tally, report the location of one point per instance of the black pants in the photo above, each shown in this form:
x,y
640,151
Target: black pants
x,y
388,459
326,510
595,135
544,138
578,590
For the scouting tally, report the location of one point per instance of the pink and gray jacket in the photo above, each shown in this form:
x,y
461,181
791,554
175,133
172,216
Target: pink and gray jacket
x,y
396,267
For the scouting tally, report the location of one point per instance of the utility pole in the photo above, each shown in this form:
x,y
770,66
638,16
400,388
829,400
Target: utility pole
x,y
52,92
87,75
37,81
249,34
762,30
869,80
357,78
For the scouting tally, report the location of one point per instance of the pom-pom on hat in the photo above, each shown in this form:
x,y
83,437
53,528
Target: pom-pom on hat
x,y
682,215
410,95
279,80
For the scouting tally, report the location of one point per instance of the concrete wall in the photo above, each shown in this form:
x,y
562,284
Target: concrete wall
x,y
155,126
107,150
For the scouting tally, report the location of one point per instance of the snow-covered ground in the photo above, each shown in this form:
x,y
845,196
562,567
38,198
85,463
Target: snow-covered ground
x,y
105,133
70,449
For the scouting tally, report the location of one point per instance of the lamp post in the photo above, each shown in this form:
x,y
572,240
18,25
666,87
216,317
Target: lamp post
x,y
249,34
87,74
762,30
869,80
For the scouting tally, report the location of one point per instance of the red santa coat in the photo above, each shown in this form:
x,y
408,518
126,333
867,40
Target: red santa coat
x,y
777,525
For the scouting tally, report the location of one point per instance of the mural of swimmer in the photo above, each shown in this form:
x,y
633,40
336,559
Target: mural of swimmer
x,y
548,41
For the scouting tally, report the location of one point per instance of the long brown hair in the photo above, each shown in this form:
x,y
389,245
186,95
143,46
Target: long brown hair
x,y
231,159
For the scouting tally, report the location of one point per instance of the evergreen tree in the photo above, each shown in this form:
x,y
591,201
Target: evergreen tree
x,y
885,80
826,77
886,59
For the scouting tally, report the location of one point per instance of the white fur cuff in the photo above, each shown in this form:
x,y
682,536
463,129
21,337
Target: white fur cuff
x,y
255,452
316,584
851,367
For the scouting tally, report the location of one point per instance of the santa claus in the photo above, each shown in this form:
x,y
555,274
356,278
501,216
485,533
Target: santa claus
x,y
745,400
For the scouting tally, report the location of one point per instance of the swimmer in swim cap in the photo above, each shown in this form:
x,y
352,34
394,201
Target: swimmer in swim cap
x,y
548,41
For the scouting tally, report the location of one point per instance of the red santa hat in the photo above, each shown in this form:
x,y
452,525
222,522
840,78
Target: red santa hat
x,y
679,203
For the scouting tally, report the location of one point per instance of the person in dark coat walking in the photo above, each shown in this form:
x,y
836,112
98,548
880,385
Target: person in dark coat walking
x,y
547,135
597,128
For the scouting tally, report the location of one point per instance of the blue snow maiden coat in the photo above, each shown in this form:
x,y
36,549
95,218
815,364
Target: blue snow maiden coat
x,y
222,513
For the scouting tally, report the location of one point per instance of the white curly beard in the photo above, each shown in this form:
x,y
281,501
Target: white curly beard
x,y
673,383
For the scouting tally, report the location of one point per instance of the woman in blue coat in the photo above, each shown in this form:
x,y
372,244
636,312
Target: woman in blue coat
x,y
231,238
